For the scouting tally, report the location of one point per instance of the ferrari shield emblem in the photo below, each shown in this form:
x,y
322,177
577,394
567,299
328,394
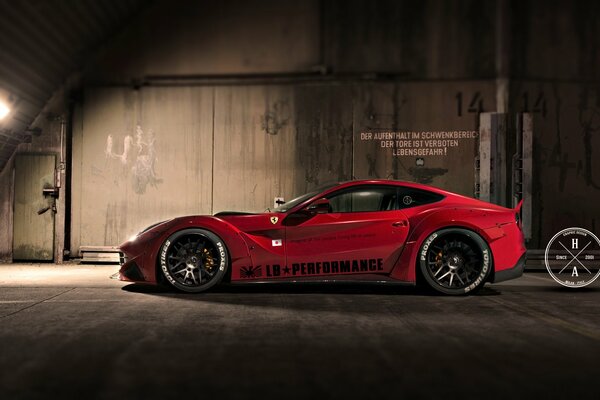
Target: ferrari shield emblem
x,y
274,220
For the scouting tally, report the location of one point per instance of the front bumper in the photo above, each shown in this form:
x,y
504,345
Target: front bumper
x,y
511,273
130,271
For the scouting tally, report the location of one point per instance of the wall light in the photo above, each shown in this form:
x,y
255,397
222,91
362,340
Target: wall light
x,y
4,110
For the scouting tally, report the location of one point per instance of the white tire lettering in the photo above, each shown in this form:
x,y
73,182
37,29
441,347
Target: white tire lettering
x,y
426,246
163,261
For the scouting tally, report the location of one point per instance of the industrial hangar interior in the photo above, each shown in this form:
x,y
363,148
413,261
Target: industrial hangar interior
x,y
116,115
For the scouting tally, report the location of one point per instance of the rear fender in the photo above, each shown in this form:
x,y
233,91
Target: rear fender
x,y
483,222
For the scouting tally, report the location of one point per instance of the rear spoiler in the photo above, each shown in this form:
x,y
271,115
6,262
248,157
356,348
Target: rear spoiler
x,y
518,207
518,212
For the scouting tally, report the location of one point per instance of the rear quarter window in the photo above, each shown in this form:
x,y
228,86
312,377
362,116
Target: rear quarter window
x,y
410,197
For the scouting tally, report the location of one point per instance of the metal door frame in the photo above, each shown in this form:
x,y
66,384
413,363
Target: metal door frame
x,y
14,181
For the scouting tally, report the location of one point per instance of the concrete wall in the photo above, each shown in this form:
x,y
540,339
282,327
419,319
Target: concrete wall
x,y
192,38
139,156
555,40
566,168
6,213
414,39
429,66
423,39
142,155
247,100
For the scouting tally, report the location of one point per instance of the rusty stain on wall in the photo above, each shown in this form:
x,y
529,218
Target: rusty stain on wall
x,y
138,157
276,117
426,175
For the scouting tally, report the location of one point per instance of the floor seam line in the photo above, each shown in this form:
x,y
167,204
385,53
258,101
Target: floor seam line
x,y
548,318
35,304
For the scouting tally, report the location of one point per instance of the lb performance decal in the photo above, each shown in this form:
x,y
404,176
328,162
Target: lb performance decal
x,y
314,268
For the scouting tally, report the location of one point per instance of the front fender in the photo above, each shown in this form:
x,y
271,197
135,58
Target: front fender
x,y
146,247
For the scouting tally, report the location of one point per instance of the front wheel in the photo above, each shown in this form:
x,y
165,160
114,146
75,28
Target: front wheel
x,y
455,261
193,260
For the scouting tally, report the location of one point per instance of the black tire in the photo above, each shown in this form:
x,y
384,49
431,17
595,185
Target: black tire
x,y
193,260
455,261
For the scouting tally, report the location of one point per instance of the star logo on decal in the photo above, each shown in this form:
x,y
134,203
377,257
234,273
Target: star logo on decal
x,y
286,270
274,220
251,272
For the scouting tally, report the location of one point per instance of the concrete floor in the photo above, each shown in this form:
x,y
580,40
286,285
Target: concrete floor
x,y
71,332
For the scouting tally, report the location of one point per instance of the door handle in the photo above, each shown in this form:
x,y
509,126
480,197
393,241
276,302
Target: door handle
x,y
400,223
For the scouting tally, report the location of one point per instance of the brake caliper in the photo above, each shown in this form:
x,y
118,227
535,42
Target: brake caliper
x,y
209,260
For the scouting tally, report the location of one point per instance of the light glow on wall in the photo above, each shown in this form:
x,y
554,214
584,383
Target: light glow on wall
x,y
4,110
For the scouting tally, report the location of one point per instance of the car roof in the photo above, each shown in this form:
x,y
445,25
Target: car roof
x,y
451,195
358,182
393,182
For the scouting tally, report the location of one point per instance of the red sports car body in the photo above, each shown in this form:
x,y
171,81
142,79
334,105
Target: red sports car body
x,y
375,230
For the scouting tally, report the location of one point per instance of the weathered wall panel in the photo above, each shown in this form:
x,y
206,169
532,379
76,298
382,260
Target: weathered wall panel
x,y
6,214
145,155
566,170
323,135
419,109
269,141
254,146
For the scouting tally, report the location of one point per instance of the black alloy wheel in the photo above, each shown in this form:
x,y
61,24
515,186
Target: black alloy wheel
x,y
455,261
193,260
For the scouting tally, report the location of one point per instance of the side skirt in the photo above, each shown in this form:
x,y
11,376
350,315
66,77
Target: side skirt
x,y
369,279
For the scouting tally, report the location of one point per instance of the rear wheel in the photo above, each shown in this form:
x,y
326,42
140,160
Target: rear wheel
x,y
193,260
455,261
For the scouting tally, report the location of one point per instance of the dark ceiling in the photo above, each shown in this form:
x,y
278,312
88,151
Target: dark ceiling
x,y
43,43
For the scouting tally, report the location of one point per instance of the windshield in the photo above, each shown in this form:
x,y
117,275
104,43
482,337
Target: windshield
x,y
285,207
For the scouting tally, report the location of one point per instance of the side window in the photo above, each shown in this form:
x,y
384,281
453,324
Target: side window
x,y
410,197
365,199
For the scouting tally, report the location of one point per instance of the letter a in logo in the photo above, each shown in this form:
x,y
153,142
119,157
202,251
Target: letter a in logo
x,y
574,272
274,220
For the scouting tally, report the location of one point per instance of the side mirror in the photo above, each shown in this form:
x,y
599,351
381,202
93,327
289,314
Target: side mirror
x,y
320,206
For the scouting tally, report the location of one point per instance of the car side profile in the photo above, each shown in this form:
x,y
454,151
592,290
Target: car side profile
x,y
368,230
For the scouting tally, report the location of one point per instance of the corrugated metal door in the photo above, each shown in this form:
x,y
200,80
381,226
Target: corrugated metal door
x,y
33,238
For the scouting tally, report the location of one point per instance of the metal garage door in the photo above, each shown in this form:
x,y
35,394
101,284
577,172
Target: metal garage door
x,y
33,238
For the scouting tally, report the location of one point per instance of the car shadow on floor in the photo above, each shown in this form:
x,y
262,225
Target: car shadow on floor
x,y
356,299
304,288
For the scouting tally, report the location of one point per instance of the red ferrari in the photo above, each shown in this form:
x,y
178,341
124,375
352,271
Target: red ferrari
x,y
377,231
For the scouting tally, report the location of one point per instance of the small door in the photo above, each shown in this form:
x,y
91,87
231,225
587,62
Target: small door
x,y
33,233
363,233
